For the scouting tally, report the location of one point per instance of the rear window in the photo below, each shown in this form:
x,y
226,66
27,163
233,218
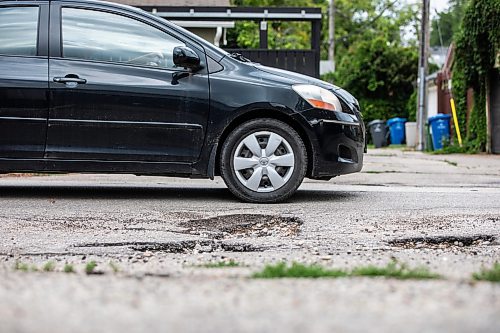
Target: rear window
x,y
18,30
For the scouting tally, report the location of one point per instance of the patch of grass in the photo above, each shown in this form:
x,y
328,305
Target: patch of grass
x,y
222,264
492,274
383,155
19,266
395,270
468,147
296,270
49,266
392,270
451,162
90,267
68,268
114,267
391,146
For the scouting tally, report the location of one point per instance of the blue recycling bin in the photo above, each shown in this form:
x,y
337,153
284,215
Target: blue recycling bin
x,y
397,130
440,129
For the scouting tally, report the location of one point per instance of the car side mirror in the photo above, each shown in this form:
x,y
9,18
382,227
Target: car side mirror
x,y
186,58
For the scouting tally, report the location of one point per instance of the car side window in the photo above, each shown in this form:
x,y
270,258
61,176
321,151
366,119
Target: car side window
x,y
101,36
18,31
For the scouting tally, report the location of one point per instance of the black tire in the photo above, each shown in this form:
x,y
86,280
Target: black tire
x,y
294,174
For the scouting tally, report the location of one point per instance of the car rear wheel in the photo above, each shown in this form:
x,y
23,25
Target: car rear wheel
x,y
263,161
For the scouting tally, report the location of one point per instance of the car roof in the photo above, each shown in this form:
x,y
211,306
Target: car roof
x,y
97,2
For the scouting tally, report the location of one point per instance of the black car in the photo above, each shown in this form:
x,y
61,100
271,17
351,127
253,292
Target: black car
x,y
90,86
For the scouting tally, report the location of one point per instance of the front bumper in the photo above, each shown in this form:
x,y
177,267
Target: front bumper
x,y
337,140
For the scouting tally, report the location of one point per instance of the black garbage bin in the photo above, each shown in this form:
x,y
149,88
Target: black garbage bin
x,y
378,131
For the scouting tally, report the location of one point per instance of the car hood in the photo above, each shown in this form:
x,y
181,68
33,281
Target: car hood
x,y
295,78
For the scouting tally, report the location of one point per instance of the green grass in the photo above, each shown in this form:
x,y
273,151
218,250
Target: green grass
x,y
468,147
90,267
68,268
222,264
49,266
297,270
486,274
395,270
114,267
19,266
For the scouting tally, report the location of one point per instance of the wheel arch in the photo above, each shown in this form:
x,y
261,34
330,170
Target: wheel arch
x,y
272,114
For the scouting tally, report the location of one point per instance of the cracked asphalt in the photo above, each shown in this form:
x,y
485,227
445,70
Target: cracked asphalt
x,y
151,236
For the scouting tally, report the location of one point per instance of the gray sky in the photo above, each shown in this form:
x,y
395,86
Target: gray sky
x,y
439,5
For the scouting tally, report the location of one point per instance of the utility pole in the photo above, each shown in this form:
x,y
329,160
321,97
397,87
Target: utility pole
x,y
331,34
422,74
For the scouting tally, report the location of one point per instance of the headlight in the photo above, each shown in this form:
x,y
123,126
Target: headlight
x,y
318,97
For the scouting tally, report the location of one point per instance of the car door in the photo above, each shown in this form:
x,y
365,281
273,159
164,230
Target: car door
x,y
115,92
23,79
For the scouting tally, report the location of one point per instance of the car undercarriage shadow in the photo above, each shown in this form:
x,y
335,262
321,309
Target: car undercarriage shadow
x,y
153,193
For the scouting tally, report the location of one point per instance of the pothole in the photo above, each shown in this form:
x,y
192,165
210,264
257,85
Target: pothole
x,y
188,246
256,225
442,242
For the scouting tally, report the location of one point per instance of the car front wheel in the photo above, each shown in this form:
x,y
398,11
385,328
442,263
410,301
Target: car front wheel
x,y
263,161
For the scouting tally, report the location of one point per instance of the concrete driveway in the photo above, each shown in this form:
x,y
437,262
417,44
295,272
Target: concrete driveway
x,y
151,237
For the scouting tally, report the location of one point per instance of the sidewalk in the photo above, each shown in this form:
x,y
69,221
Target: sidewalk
x,y
395,167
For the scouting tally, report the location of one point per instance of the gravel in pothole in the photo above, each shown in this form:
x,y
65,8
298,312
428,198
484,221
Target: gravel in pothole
x,y
253,225
188,246
442,242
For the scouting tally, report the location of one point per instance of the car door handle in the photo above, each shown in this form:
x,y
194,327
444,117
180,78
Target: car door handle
x,y
69,80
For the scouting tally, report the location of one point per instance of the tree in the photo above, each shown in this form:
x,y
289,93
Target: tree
x,y
477,45
375,57
377,63
381,74
447,23
282,35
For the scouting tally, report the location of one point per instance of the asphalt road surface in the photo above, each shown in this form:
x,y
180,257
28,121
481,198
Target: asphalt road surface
x,y
151,237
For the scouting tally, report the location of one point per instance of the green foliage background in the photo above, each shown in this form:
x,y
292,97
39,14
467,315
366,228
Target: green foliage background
x,y
379,67
477,44
447,22
373,63
281,35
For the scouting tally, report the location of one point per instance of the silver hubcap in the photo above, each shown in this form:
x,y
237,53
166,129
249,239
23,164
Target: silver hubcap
x,y
263,161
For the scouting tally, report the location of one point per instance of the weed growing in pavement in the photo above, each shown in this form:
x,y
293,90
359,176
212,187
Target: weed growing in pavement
x,y
451,162
222,264
296,270
19,266
379,172
49,266
68,268
395,270
90,267
486,274
114,267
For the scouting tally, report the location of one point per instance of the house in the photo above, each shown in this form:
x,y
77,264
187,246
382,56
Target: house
x,y
212,31
439,95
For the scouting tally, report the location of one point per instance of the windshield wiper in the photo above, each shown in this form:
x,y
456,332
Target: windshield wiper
x,y
240,57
